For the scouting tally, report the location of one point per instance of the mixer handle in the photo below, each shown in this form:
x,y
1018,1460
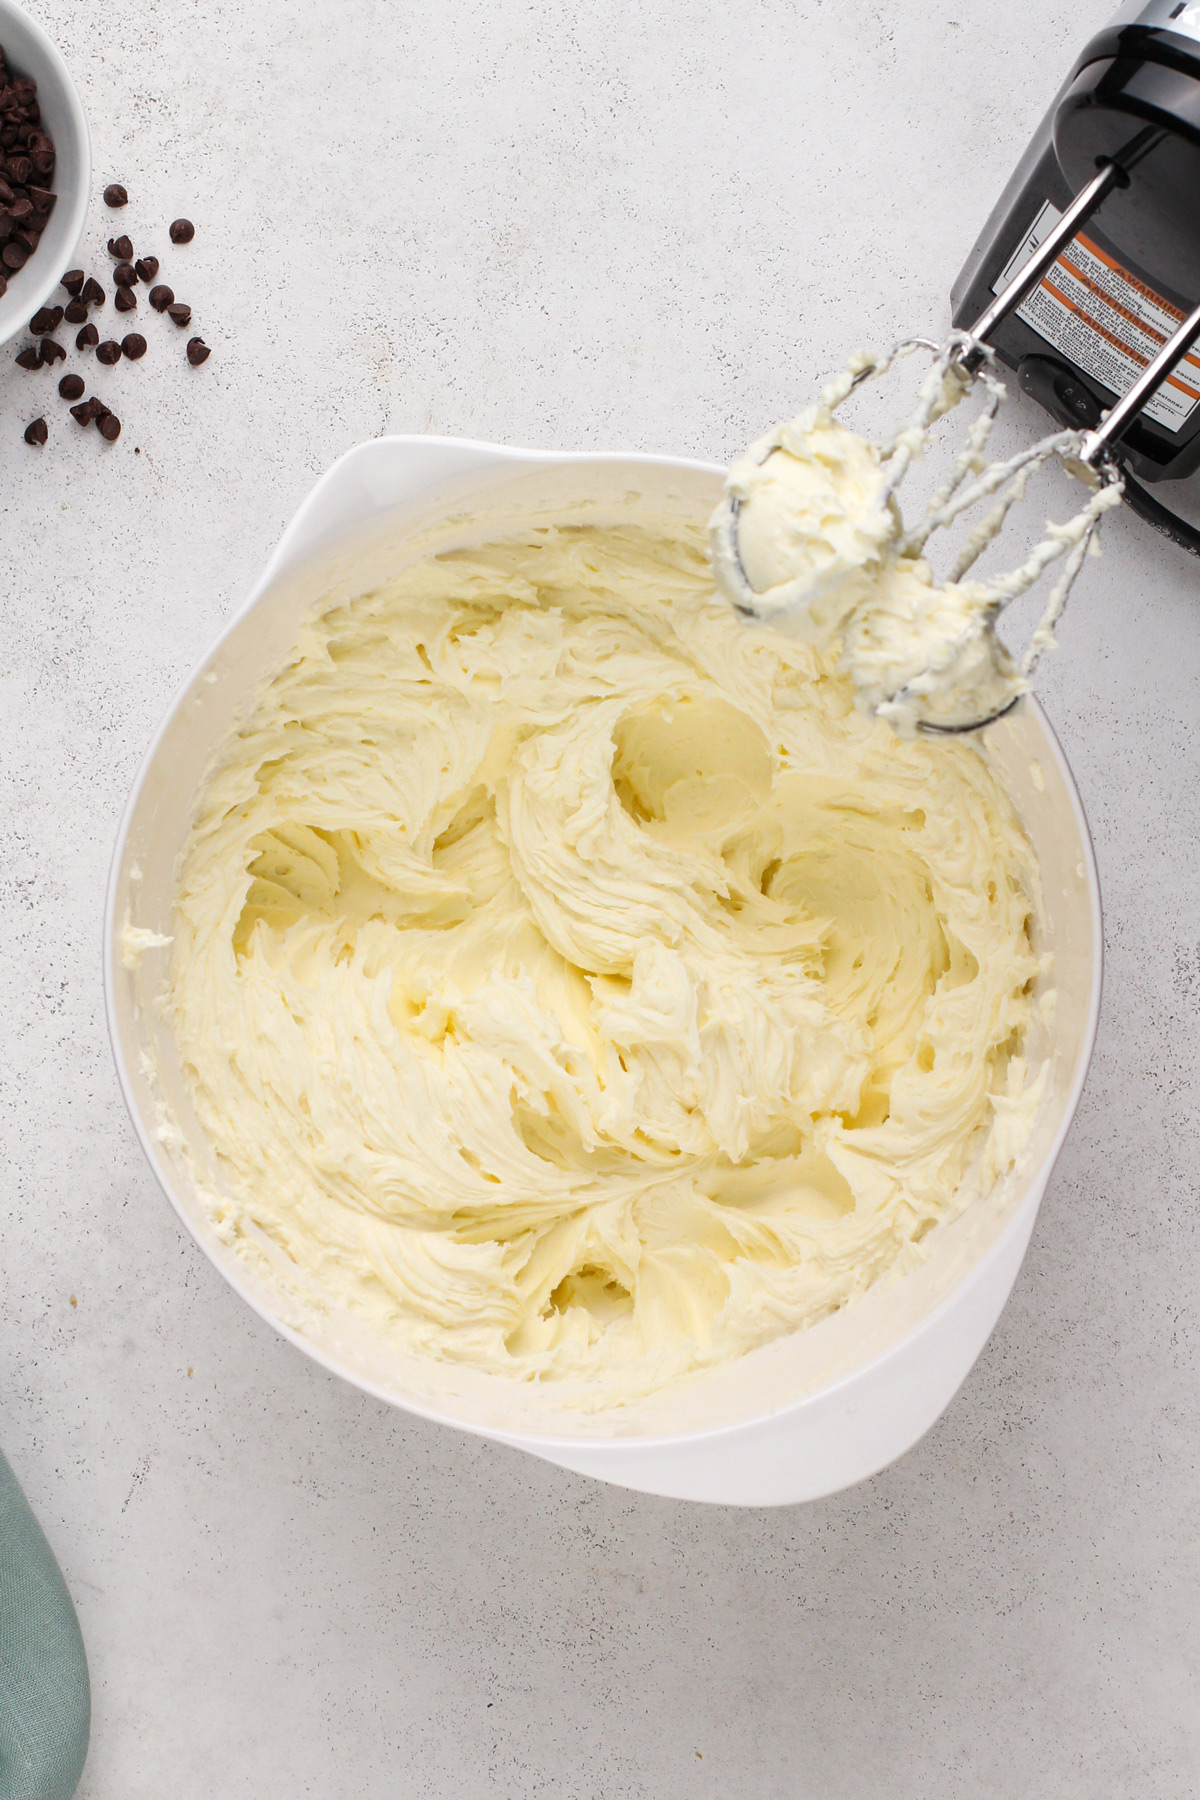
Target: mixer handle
x,y
1097,447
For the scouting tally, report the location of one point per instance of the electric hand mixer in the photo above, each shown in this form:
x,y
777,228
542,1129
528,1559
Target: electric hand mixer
x,y
1095,326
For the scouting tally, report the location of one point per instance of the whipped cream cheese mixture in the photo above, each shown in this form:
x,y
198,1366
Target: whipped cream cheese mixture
x,y
574,983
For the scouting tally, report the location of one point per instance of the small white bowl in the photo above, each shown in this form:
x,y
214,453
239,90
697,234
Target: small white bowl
x,y
29,52
801,1417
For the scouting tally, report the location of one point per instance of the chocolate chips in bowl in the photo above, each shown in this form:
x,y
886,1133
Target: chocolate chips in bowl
x,y
45,163
27,159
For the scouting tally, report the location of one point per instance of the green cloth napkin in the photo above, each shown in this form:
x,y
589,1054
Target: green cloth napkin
x,y
45,1700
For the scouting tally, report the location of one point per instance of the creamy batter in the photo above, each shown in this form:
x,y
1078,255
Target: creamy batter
x,y
577,985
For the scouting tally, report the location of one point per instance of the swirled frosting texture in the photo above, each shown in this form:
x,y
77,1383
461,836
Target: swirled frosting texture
x,y
573,982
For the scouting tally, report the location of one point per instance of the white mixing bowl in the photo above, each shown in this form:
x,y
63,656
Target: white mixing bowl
x,y
798,1418
30,53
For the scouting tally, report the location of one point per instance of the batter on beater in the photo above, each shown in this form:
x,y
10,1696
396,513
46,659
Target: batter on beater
x,y
811,538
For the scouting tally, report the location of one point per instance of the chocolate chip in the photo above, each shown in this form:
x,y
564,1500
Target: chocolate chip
x,y
36,432
108,352
52,351
85,412
121,248
46,319
125,275
115,195
134,345
20,207
14,255
75,312
43,199
93,293
110,428
125,300
147,268
27,235
88,337
73,282
99,410
3,283
29,358
197,352
161,297
19,169
181,314
71,386
182,231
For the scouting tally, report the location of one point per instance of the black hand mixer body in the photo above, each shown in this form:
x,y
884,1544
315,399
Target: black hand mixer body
x,y
1114,295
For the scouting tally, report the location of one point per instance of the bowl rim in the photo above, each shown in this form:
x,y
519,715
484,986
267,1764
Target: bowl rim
x,y
76,213
539,1442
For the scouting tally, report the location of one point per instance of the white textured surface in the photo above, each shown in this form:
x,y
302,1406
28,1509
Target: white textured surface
x,y
555,225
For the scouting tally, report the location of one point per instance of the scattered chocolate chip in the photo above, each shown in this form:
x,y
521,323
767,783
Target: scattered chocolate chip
x,y
99,410
197,352
52,351
73,282
134,345
121,248
36,432
71,387
182,231
87,338
84,413
110,428
108,352
125,300
75,312
14,255
147,268
181,314
161,297
30,358
46,319
93,293
125,275
115,195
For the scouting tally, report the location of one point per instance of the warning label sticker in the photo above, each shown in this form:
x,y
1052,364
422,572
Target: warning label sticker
x,y
1105,320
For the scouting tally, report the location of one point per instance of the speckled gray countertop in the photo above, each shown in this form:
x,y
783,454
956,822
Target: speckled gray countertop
x,y
563,226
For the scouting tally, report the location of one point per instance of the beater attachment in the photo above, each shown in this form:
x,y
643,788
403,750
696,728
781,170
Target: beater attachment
x,y
921,653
